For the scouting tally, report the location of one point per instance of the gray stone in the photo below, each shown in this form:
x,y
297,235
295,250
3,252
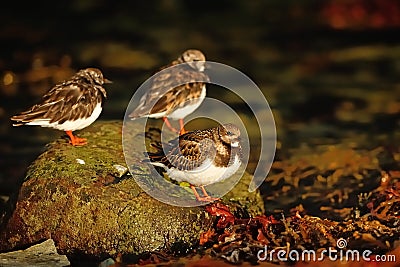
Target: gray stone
x,y
40,255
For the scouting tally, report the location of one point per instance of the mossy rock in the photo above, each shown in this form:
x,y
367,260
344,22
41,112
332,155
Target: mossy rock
x,y
82,199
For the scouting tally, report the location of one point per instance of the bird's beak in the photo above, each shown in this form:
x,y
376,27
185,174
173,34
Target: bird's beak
x,y
107,80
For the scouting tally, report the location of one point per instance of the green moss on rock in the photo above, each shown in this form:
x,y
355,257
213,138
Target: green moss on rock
x,y
77,197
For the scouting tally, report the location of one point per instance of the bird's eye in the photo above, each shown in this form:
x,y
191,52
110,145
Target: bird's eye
x,y
229,133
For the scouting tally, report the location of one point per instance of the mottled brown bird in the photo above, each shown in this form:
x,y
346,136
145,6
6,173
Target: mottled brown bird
x,y
70,105
201,157
177,92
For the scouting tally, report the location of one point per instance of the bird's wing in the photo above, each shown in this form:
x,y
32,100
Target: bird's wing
x,y
60,104
190,154
167,88
184,153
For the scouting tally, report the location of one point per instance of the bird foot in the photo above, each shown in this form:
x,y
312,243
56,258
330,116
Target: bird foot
x,y
168,124
77,141
182,127
207,199
182,131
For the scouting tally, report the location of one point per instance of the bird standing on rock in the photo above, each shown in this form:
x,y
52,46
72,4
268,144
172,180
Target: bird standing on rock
x,y
70,105
201,157
167,99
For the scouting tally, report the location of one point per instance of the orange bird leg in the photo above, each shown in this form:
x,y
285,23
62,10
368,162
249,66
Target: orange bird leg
x,y
76,141
206,197
166,121
182,126
195,192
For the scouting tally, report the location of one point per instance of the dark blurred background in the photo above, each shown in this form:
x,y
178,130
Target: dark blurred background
x,y
329,69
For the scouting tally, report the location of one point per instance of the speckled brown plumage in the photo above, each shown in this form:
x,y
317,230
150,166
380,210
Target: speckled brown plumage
x,y
72,99
70,105
190,150
170,89
201,157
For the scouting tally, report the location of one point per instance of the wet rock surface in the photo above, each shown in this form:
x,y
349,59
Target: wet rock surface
x,y
40,255
82,199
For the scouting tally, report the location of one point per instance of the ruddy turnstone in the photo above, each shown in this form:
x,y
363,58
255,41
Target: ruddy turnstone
x,y
201,157
166,100
70,105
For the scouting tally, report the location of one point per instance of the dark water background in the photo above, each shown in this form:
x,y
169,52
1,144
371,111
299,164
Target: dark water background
x,y
329,69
